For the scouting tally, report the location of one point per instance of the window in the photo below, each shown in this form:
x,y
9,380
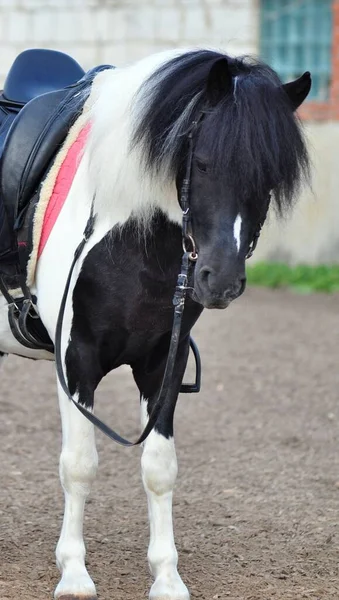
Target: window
x,y
296,36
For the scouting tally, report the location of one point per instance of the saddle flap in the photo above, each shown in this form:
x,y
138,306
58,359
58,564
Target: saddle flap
x,y
33,140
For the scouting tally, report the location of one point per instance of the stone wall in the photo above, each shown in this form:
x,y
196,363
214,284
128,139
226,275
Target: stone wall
x,y
311,233
118,31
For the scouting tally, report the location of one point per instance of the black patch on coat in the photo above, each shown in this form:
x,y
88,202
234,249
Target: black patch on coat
x,y
123,311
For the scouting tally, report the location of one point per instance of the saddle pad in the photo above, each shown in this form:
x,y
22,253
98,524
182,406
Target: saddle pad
x,y
54,190
62,186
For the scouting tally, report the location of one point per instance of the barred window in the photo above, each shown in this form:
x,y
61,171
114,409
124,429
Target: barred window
x,y
296,36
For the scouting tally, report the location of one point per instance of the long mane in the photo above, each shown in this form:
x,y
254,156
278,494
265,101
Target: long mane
x,y
140,115
253,135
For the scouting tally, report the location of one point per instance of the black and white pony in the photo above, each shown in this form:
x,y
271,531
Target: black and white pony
x,y
248,148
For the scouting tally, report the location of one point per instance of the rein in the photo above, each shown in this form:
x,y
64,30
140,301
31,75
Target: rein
x,y
189,257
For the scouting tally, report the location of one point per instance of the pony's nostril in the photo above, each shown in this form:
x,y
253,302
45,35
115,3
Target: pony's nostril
x,y
236,290
205,272
229,288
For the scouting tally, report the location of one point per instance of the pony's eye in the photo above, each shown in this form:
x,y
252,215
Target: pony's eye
x,y
201,166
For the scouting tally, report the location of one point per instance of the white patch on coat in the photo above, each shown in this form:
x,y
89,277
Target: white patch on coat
x,y
159,471
119,179
237,231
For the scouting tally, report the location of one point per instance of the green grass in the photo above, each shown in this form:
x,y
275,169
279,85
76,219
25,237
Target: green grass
x,y
302,278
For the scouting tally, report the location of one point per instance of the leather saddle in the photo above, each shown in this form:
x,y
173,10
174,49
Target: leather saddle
x,y
34,72
30,129
43,95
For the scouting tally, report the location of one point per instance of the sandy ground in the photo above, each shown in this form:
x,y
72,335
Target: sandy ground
x,y
257,499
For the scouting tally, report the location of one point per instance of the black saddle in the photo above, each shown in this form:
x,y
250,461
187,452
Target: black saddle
x,y
34,88
44,93
34,72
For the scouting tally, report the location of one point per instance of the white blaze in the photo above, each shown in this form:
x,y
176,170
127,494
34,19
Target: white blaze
x,y
237,231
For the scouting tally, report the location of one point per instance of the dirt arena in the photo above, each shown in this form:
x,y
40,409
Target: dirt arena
x,y
257,500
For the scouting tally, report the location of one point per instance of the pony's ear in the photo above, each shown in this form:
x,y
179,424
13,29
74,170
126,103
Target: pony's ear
x,y
298,90
219,81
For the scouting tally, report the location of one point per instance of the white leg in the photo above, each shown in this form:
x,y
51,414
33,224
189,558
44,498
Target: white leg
x,y
78,466
159,471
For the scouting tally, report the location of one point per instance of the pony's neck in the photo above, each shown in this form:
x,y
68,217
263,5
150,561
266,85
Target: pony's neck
x,y
119,181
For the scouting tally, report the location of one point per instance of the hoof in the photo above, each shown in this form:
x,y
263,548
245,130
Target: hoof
x,y
76,597
169,588
170,597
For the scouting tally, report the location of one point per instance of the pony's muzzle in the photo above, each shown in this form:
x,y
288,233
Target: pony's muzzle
x,y
214,290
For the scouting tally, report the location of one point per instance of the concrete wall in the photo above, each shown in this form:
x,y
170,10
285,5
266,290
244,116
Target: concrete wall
x,y
118,31
311,233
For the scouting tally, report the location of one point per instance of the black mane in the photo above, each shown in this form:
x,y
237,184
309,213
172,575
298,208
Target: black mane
x,y
253,134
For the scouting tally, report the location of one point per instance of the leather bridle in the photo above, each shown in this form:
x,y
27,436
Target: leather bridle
x,y
187,234
189,257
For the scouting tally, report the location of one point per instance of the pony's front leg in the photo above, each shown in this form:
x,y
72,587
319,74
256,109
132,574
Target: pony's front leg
x,y
78,466
159,472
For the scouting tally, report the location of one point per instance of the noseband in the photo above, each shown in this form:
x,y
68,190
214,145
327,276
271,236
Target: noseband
x,y
190,256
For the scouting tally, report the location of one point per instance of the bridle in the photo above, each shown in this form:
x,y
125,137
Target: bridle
x,y
255,239
187,235
189,257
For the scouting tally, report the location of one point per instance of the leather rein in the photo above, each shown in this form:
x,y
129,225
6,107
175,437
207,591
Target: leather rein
x,y
189,257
